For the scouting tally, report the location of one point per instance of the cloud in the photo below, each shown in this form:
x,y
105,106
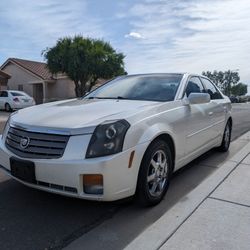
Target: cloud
x,y
190,36
135,35
161,35
28,27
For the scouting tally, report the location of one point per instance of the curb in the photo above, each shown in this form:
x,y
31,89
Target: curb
x,y
159,232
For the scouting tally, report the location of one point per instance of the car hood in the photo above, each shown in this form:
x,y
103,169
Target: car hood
x,y
78,113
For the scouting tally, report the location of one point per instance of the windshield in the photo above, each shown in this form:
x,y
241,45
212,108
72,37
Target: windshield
x,y
140,87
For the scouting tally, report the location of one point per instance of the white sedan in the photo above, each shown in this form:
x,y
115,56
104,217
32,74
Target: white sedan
x,y
13,99
125,138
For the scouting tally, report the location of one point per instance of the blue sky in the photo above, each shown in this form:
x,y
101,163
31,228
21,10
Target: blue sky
x,y
155,35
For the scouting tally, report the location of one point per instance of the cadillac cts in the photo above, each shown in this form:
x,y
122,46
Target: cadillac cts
x,y
125,138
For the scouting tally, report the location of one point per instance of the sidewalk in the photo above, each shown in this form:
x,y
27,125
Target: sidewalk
x,y
215,215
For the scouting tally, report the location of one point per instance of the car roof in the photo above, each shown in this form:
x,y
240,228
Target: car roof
x,y
186,74
16,91
156,74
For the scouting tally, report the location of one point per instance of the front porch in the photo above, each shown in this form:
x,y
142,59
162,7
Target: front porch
x,y
41,92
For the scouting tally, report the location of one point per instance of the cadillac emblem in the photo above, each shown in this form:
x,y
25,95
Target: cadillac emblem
x,y
24,143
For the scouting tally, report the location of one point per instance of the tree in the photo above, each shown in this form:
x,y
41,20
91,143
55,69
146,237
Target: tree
x,y
84,60
239,89
224,80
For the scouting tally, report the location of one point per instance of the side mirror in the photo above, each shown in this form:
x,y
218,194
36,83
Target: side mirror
x,y
197,98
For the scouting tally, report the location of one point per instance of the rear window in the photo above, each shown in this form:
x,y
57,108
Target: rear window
x,y
17,94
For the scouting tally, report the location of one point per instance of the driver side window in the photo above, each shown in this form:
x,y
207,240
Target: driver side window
x,y
194,86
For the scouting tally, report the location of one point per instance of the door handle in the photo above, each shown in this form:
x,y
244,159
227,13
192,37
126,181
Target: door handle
x,y
210,113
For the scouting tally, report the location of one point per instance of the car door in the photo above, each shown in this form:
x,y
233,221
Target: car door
x,y
198,125
217,108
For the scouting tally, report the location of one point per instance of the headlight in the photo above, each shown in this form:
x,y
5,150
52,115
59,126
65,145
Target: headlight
x,y
107,138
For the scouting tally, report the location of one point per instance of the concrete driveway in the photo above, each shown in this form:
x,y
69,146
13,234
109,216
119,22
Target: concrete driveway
x,y
4,115
3,118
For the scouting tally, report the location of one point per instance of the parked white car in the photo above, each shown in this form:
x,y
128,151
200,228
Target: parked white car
x,y
13,99
125,138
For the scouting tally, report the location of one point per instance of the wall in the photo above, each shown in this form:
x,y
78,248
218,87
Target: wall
x,y
19,77
63,88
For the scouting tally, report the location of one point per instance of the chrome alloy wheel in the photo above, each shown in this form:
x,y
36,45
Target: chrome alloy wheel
x,y
157,173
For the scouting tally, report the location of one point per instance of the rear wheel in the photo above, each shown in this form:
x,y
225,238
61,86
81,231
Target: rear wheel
x,y
154,175
226,138
7,107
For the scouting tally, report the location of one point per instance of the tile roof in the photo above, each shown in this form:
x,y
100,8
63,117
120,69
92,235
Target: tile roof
x,y
38,68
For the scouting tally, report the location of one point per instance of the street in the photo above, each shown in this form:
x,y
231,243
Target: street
x,y
31,219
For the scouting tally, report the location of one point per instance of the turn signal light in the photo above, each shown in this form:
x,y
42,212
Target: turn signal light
x,y
131,158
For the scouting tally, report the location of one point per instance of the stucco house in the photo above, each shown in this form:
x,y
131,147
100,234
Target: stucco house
x,y
35,79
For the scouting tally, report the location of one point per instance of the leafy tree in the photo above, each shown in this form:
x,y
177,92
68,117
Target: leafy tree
x,y
84,60
239,89
224,80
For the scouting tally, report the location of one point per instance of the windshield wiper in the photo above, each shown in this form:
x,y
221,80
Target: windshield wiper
x,y
118,97
121,97
95,97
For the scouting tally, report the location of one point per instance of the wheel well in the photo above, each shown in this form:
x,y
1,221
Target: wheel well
x,y
169,140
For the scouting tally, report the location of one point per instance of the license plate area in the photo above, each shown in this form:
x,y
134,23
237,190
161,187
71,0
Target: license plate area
x,y
23,170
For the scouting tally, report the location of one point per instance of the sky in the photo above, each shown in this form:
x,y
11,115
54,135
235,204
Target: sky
x,y
155,35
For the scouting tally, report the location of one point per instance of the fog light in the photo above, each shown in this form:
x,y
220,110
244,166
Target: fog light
x,y
93,184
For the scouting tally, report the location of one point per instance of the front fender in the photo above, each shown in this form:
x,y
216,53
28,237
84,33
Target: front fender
x,y
154,131
145,134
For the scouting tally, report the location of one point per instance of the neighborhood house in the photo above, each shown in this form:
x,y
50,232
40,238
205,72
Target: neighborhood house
x,y
36,80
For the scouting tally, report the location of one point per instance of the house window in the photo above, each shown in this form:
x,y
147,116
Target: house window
x,y
20,87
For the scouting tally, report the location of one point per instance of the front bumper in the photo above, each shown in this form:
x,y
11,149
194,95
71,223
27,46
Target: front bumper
x,y
64,175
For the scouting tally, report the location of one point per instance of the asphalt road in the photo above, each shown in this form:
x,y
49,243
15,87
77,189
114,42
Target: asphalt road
x,y
241,119
31,219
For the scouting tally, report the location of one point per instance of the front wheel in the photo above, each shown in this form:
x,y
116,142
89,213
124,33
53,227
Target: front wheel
x,y
154,175
226,138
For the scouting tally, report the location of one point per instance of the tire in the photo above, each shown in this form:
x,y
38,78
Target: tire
x,y
7,107
154,174
226,138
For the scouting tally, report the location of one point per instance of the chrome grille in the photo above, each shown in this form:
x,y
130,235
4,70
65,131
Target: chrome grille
x,y
40,146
